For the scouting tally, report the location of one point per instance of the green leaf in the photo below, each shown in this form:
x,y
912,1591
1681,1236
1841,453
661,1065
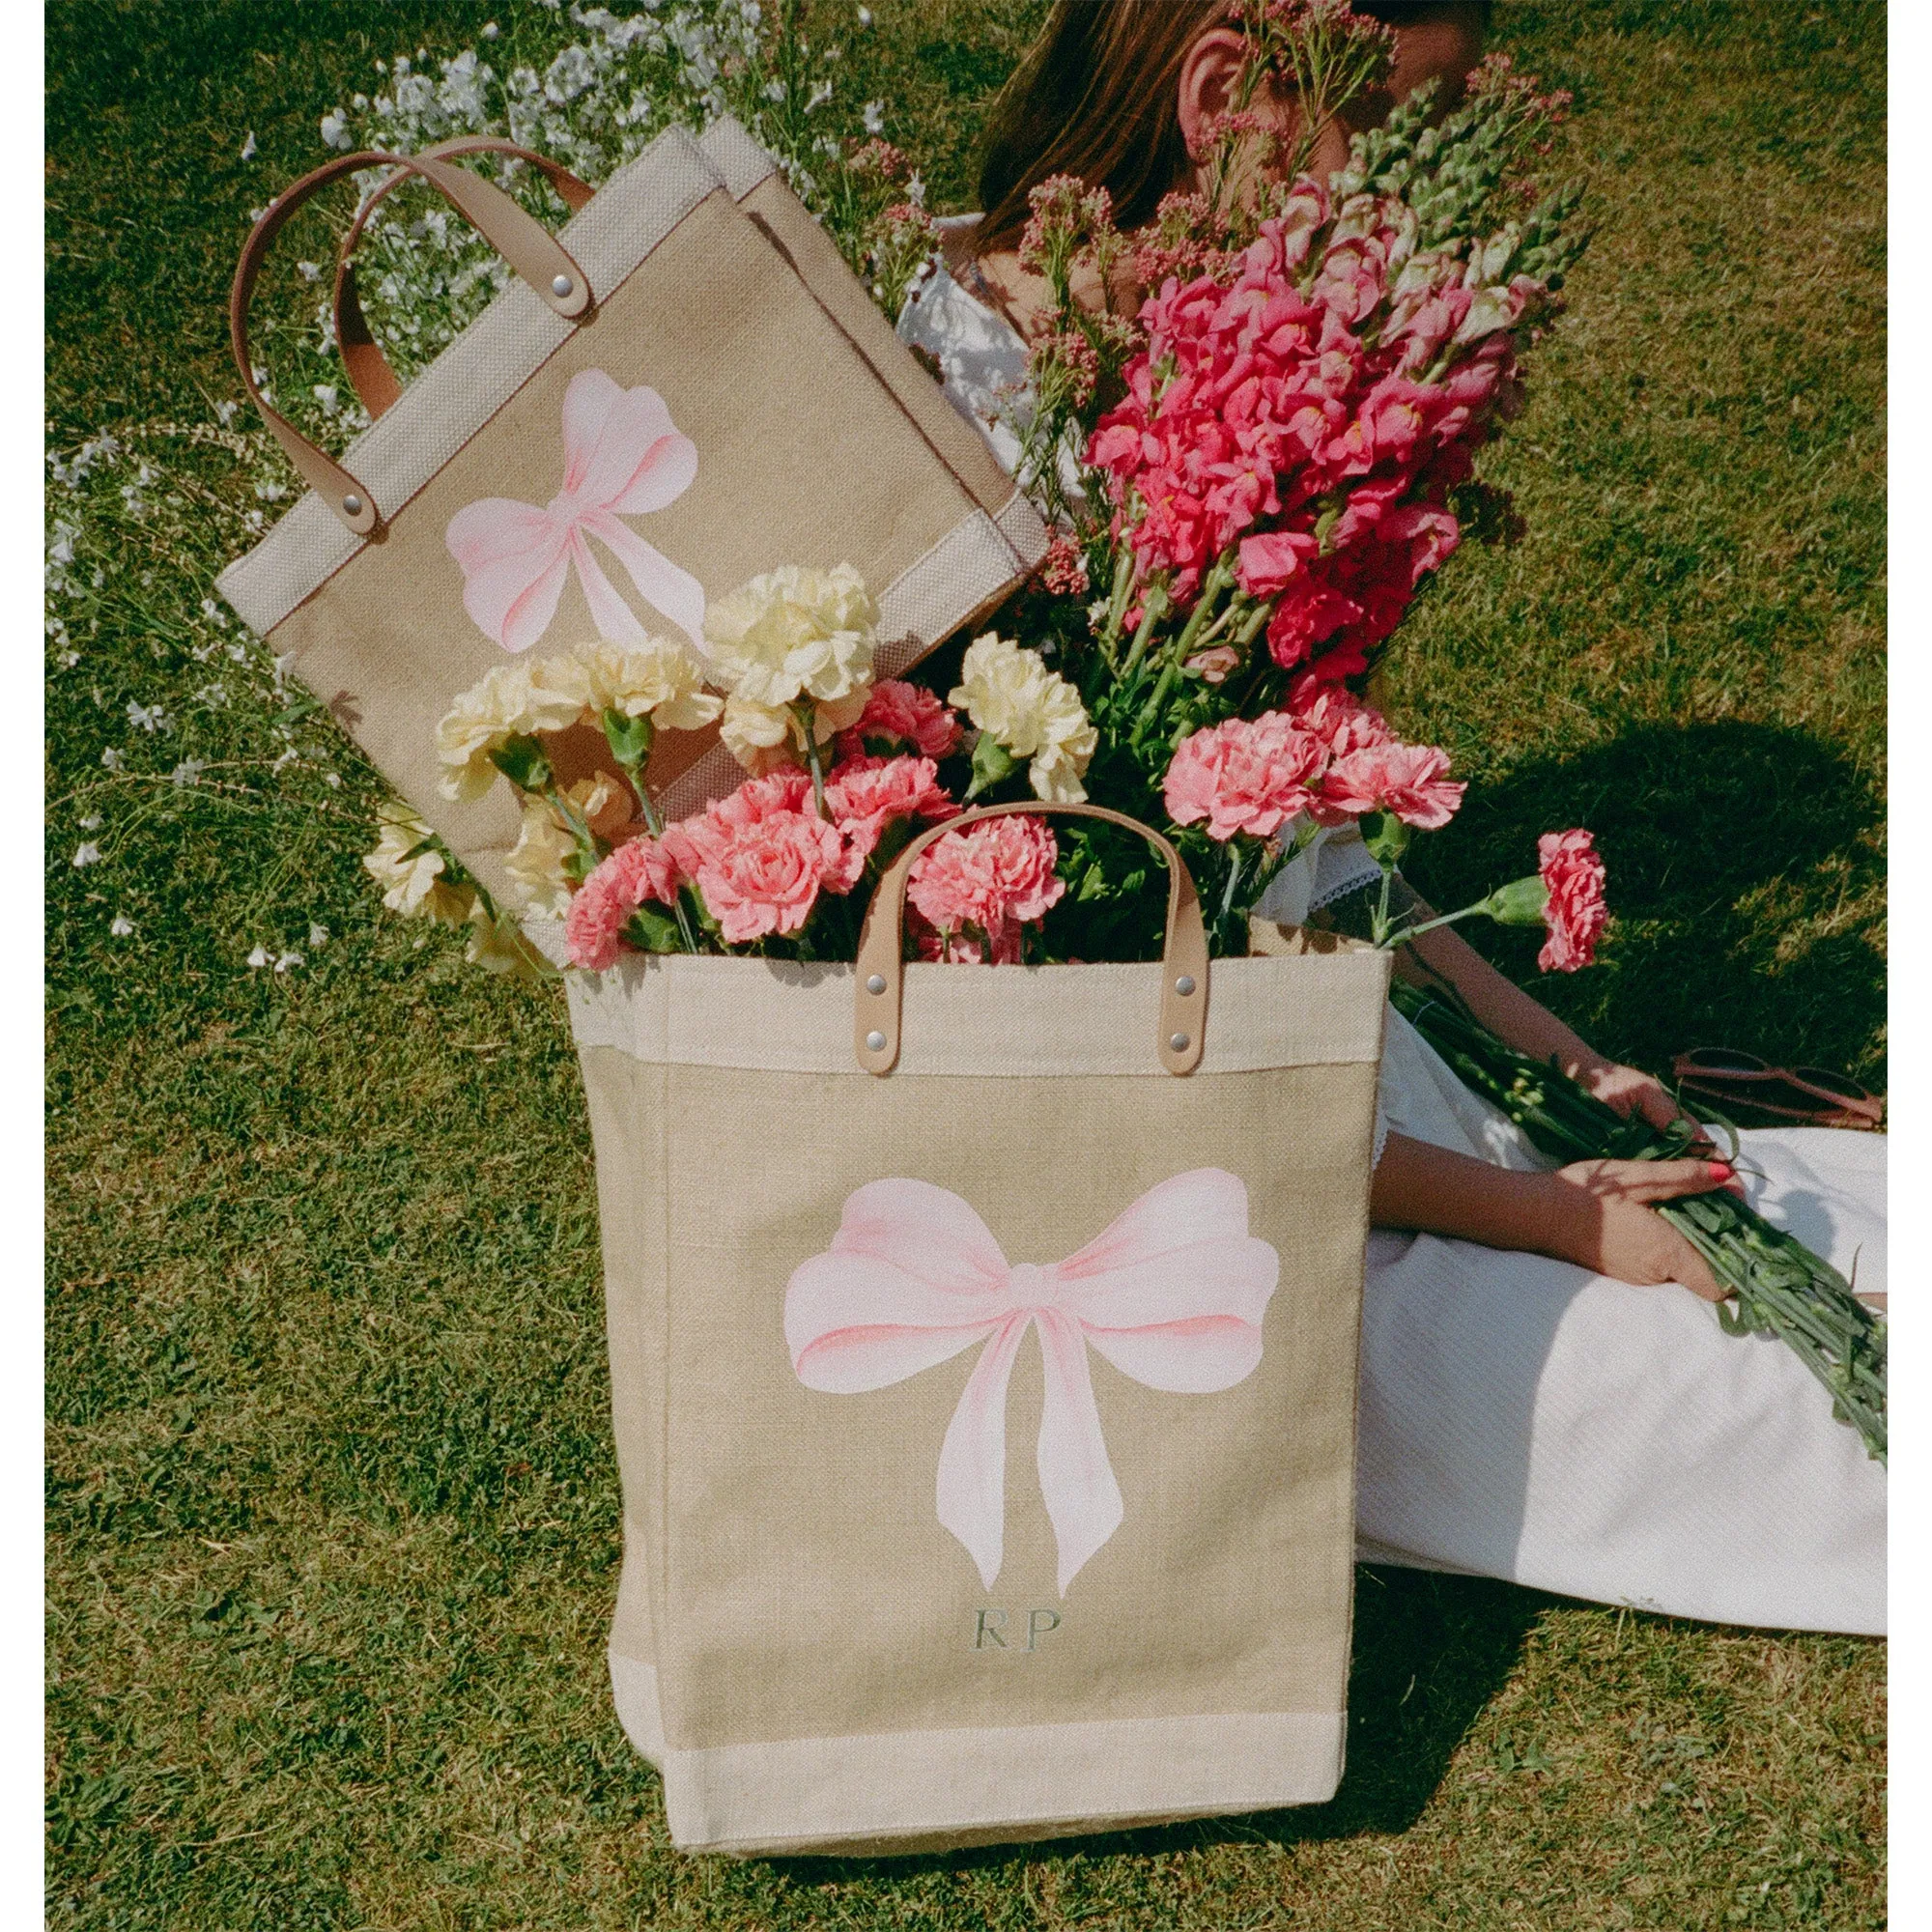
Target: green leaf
x,y
651,929
992,762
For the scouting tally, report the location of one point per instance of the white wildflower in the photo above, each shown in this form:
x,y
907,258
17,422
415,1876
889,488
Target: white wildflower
x,y
260,958
916,190
1032,711
248,146
91,822
336,131
112,760
147,717
874,115
289,961
318,936
490,30
224,412
87,854
187,772
818,96
120,927
865,16
309,272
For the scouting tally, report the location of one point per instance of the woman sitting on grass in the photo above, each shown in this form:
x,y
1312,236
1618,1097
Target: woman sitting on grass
x,y
1538,1402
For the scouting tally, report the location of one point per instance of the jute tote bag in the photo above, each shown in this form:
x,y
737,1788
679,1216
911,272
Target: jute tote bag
x,y
836,1204
754,179
658,392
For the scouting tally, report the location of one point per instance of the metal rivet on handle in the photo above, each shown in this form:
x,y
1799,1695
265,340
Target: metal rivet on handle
x,y
1183,985
352,504
875,1042
561,285
1178,1042
876,984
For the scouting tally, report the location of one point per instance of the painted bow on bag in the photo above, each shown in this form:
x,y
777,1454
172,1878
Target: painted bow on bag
x,y
1171,1294
622,457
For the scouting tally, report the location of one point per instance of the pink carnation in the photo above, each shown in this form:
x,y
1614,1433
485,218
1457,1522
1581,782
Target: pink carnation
x,y
901,717
1576,912
991,877
638,870
1246,775
866,795
1410,780
1337,716
761,856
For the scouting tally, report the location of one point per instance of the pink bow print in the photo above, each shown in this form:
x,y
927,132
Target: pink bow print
x,y
622,457
1171,1294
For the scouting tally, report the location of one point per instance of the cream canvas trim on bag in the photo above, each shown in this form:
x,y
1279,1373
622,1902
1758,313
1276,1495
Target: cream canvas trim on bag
x,y
1044,1021
888,1791
451,401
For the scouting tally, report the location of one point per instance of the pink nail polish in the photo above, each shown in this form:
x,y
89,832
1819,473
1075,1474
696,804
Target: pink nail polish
x,y
1720,1170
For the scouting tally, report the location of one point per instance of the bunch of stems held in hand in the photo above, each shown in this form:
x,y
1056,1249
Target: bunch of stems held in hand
x,y
1779,1286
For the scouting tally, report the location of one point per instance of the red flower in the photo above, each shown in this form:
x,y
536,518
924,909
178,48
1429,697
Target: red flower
x,y
1576,912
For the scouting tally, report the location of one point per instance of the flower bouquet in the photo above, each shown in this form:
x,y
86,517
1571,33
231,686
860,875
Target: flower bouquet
x,y
1253,473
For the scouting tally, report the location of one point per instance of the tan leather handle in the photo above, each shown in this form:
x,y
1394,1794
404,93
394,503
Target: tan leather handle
x,y
369,371
520,238
1184,965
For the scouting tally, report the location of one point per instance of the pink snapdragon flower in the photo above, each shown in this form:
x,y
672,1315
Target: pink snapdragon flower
x,y
1410,780
638,870
1244,775
903,717
988,879
1577,911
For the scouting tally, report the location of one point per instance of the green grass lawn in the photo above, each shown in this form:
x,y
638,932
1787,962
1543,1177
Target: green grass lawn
x,y
332,1507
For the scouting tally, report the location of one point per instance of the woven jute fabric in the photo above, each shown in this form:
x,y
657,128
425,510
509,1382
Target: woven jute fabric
x,y
813,1658
803,455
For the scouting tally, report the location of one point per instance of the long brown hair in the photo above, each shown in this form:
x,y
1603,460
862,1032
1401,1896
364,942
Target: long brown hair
x,y
1097,96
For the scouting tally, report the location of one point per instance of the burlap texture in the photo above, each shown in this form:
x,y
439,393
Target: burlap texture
x,y
798,1595
804,456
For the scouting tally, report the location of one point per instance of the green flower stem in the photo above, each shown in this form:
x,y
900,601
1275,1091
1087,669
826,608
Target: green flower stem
x,y
804,713
1779,1285
1118,601
1153,607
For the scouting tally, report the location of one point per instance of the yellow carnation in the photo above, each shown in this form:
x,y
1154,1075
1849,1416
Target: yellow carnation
x,y
794,633
514,700
655,677
498,946
410,870
535,864
1033,712
762,737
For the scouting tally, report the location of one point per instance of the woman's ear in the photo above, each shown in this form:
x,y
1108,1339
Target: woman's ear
x,y
1207,78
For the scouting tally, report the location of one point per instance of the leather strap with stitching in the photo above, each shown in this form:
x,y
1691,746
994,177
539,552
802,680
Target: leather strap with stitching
x,y
523,240
879,992
369,371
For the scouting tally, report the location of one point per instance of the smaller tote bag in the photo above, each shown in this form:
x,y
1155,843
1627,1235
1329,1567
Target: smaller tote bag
x,y
983,1351
654,410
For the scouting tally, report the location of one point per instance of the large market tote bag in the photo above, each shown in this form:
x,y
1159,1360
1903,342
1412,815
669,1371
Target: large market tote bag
x,y
760,189
836,1201
657,403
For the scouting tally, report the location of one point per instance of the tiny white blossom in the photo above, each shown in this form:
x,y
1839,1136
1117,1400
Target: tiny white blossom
x,y
214,613
490,30
289,961
309,272
68,659
187,771
325,393
225,413
112,760
286,760
916,190
270,492
214,695
121,926
336,131
865,16
248,146
318,936
91,822
818,96
87,854
360,103
258,958
145,717
333,779
874,115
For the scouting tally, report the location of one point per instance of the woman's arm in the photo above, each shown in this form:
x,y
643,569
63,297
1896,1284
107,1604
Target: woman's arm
x,y
1508,1012
1596,1213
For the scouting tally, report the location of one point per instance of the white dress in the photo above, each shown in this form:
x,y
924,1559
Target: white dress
x,y
1522,1418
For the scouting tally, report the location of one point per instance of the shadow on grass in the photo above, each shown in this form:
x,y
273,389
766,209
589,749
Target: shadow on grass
x,y
1430,1652
1723,842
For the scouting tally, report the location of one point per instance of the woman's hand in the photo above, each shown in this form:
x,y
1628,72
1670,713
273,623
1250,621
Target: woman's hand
x,y
1628,1090
1602,1217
